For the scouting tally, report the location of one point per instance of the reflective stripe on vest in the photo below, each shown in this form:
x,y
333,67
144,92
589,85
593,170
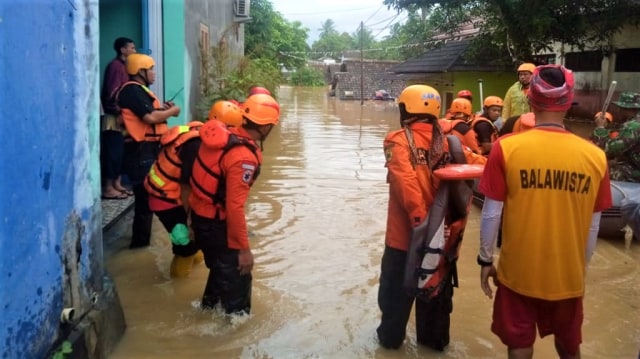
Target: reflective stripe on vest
x,y
163,179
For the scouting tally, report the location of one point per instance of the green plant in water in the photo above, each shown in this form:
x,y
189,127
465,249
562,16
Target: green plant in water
x,y
307,76
228,77
65,349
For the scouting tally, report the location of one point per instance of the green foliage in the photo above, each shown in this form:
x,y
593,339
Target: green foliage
x,y
230,78
307,76
65,349
525,27
269,35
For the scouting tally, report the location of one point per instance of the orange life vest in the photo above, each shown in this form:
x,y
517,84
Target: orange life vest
x,y
163,180
494,133
135,127
526,121
447,125
208,189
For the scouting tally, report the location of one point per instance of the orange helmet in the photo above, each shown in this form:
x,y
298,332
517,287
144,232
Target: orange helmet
x,y
527,66
461,105
420,99
492,101
257,89
261,109
226,112
137,62
607,115
465,94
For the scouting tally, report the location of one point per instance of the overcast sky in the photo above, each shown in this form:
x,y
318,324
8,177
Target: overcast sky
x,y
346,14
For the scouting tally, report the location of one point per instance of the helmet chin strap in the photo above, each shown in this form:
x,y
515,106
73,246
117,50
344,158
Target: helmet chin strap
x,y
145,77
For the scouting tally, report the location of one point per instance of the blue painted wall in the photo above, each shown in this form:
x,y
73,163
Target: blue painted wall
x,y
50,230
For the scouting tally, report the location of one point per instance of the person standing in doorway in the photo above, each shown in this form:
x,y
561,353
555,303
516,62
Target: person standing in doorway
x,y
111,139
227,165
515,100
145,121
553,186
412,154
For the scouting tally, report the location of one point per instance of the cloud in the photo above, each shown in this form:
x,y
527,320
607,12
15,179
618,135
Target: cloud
x,y
346,14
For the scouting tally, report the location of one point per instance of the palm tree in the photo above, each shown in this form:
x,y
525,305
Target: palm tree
x,y
327,27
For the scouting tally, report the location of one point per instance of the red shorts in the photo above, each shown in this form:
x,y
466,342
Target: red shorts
x,y
516,316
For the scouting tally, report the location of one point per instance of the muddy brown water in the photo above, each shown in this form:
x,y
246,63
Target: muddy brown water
x,y
317,219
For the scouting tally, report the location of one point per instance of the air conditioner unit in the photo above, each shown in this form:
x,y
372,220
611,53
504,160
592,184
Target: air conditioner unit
x,y
241,8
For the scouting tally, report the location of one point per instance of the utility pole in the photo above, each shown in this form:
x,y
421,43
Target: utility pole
x,y
361,63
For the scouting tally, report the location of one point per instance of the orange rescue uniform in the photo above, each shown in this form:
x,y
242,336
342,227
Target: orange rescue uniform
x,y
221,180
469,138
135,127
411,191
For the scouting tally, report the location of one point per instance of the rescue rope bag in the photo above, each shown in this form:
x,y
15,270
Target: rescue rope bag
x,y
432,256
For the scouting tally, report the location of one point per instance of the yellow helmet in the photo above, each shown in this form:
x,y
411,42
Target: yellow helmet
x,y
420,100
137,62
492,101
226,112
527,66
261,109
461,105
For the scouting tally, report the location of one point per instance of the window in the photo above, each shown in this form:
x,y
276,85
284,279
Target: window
x,y
627,60
584,61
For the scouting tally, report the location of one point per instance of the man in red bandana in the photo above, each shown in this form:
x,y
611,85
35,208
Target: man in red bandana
x,y
553,186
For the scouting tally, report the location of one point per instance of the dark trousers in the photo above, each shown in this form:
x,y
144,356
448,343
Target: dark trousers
x,y
225,285
111,154
139,156
432,316
169,219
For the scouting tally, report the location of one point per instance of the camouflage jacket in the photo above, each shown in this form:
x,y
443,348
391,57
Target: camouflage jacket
x,y
622,146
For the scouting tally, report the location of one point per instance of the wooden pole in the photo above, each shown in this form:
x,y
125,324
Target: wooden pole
x,y
361,63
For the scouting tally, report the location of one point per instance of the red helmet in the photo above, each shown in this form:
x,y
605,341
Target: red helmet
x,y
465,94
257,89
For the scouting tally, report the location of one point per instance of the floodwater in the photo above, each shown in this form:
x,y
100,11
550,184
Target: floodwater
x,y
317,218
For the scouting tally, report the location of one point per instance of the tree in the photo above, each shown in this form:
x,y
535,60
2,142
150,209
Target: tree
x,y
327,27
525,27
270,36
330,41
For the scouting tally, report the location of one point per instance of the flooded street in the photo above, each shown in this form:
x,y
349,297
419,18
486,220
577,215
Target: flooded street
x,y
316,218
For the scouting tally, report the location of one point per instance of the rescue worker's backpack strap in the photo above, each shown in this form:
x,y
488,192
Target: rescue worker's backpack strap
x,y
219,196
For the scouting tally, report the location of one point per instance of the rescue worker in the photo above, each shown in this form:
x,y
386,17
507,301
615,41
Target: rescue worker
x,y
623,148
227,164
168,186
515,100
459,124
227,112
145,121
466,94
520,123
484,124
259,90
412,153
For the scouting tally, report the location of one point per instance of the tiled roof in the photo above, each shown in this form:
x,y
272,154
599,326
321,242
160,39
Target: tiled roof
x,y
448,57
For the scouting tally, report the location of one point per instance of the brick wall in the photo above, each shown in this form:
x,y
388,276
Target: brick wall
x,y
348,86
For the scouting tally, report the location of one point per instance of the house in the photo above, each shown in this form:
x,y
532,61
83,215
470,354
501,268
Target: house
x,y
176,33
445,68
54,288
596,66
